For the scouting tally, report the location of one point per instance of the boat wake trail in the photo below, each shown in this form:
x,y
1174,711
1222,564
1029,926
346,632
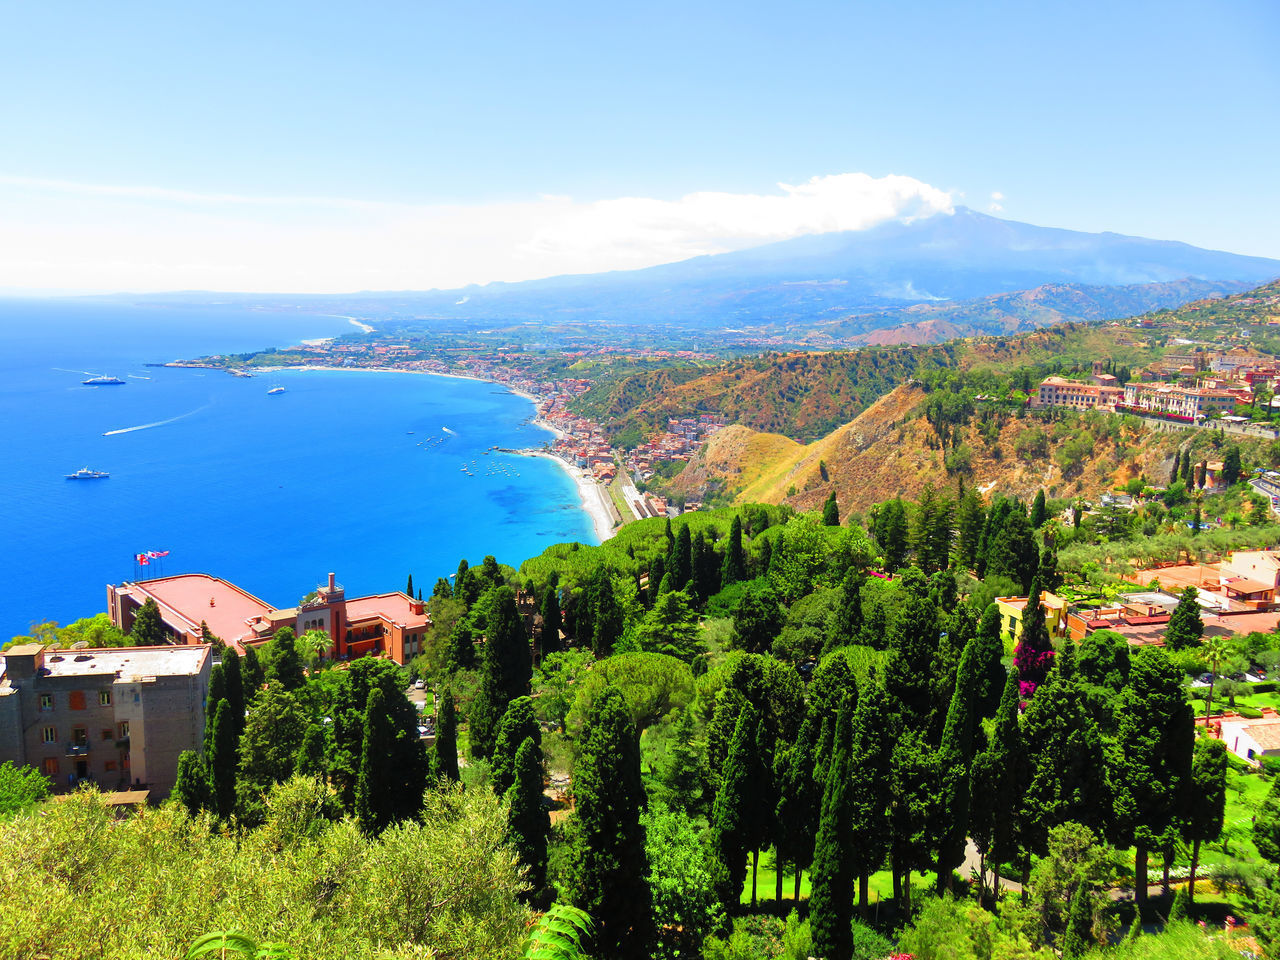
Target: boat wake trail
x,y
87,373
158,423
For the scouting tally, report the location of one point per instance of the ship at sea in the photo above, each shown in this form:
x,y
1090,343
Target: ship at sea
x,y
275,390
84,473
102,381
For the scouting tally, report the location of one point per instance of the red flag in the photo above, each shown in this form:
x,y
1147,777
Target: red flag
x,y
143,561
159,553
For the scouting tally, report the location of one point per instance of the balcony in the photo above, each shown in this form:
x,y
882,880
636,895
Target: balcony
x,y
78,749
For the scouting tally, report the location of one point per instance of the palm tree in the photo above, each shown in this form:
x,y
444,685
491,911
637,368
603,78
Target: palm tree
x,y
313,645
1214,650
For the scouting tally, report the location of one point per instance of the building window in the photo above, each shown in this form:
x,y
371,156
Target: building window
x,y
109,766
122,730
106,734
49,734
80,737
104,698
49,766
46,701
77,700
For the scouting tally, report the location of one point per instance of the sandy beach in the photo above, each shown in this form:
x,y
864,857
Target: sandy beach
x,y
594,497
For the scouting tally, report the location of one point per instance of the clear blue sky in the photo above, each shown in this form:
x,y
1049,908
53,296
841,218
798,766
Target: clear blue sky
x,y
1156,119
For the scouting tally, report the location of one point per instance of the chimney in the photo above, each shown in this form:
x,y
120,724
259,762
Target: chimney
x,y
332,582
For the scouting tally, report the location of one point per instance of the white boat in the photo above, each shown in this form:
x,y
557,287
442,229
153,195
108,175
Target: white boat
x,y
275,390
84,473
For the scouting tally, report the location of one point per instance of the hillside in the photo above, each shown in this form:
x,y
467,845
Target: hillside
x,y
805,395
891,449
1022,310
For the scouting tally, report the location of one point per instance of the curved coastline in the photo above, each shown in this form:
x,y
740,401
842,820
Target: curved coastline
x,y
592,497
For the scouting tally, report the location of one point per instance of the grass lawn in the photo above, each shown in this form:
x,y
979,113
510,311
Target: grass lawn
x,y
879,888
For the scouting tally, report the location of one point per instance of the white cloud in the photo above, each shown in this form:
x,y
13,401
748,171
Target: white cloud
x,y
57,234
995,206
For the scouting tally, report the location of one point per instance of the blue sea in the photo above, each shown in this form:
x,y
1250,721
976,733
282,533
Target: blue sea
x,y
346,471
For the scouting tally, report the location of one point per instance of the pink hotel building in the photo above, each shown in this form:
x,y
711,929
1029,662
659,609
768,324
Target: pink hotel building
x,y
390,623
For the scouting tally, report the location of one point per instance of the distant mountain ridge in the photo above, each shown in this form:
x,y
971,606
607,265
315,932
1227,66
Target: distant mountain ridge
x,y
805,283
1023,310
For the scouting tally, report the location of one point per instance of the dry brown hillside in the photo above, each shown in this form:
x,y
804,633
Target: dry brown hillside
x,y
889,450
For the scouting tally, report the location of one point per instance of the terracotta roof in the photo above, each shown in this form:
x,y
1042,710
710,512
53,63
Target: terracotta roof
x,y
193,597
1245,585
1266,733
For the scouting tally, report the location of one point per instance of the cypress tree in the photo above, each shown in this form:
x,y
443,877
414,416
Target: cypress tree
x,y
706,569
657,573
460,650
758,619
991,671
682,559
1187,469
209,637
310,759
251,675
1185,626
505,670
845,626
148,628
192,785
284,666
914,644
799,797
551,620
1011,550
999,777
1231,466
766,557
375,784
731,815
869,799
1206,801
955,758
1034,654
970,516
1156,741
763,802
1039,511
408,589
528,823
517,726
607,618
831,897
608,872
233,682
684,774
1177,464
1066,761
223,760
447,737
831,511
734,567
217,693
891,533
1078,938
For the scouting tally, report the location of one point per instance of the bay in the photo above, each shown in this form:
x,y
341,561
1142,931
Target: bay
x,y
346,471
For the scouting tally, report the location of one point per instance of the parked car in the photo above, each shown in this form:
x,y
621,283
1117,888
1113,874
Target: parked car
x,y
419,684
